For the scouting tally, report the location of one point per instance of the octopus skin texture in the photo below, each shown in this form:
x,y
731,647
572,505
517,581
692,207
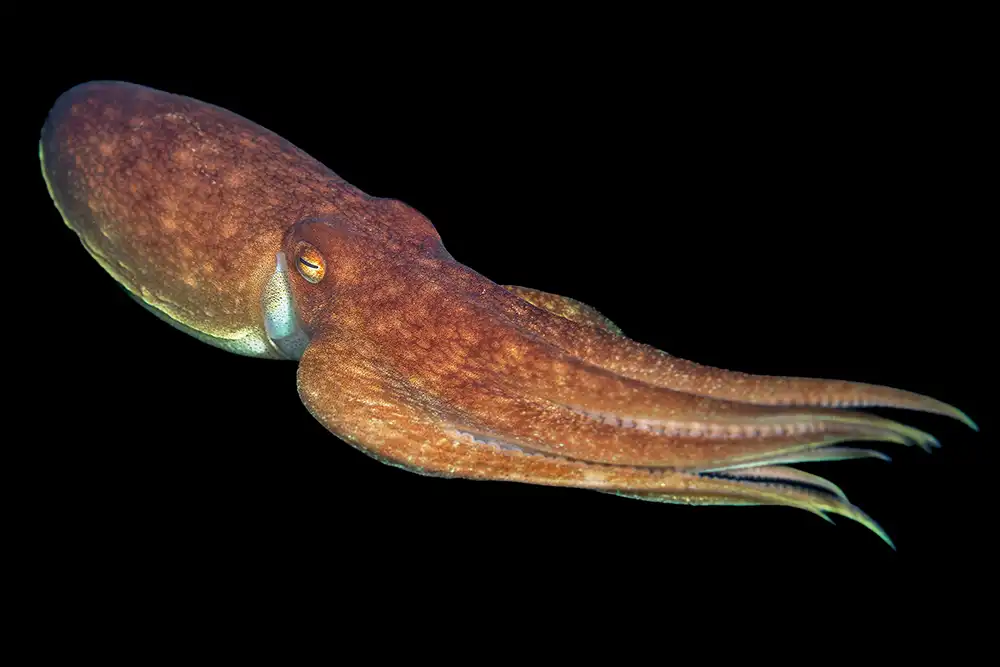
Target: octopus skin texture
x,y
235,236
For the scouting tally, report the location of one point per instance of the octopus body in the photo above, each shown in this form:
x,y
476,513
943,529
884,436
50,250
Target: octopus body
x,y
235,236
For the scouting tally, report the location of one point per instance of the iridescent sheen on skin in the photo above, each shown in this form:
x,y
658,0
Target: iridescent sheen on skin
x,y
230,233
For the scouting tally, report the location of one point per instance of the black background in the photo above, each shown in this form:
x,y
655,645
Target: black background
x,y
769,208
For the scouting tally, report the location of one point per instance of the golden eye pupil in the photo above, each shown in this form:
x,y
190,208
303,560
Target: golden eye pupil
x,y
311,264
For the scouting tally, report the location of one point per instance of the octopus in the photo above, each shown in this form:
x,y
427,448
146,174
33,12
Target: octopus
x,y
233,235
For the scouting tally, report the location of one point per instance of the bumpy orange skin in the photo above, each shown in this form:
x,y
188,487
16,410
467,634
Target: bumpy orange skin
x,y
182,202
413,357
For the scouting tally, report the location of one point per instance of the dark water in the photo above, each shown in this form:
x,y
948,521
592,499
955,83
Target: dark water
x,y
822,226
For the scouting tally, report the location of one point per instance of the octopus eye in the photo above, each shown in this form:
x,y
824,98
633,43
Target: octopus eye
x,y
311,264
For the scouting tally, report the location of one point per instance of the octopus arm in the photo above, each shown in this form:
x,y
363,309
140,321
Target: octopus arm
x,y
631,359
563,306
505,381
349,388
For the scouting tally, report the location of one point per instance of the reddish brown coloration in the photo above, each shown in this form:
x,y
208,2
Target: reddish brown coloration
x,y
184,203
412,357
563,306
